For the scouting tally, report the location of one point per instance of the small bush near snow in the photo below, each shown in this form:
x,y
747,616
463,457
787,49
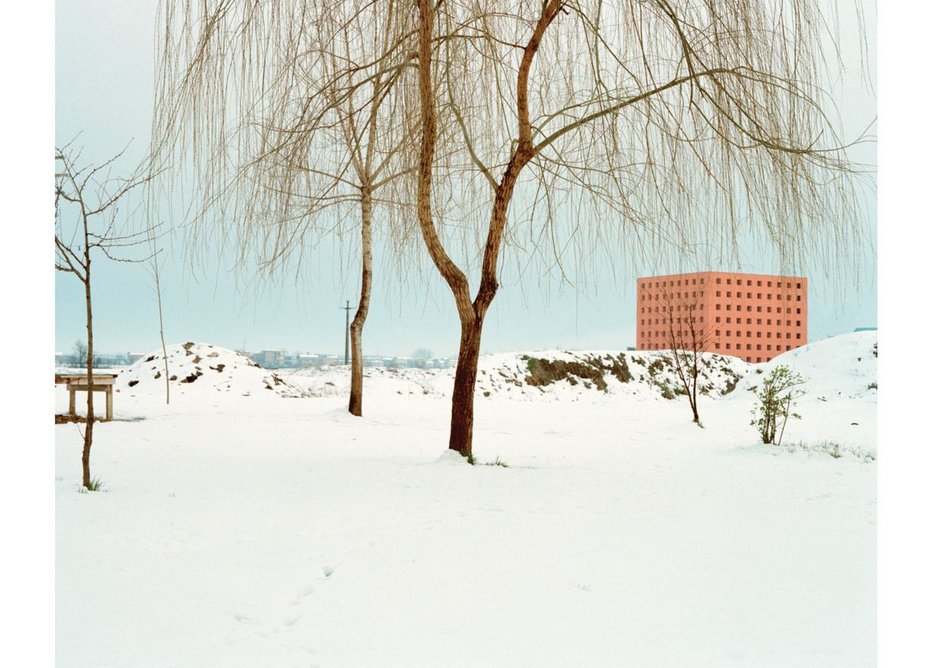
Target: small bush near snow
x,y
776,399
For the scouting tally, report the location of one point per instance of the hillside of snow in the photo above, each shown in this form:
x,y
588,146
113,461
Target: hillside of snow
x,y
199,368
840,367
600,524
554,375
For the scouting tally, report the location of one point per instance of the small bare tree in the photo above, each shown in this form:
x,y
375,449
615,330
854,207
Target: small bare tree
x,y
80,356
688,338
83,197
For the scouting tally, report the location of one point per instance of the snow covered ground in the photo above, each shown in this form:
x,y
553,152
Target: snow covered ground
x,y
247,526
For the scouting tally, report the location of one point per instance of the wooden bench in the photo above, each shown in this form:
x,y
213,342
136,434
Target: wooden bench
x,y
100,382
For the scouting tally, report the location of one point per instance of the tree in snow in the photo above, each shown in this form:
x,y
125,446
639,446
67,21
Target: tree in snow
x,y
688,337
86,223
654,122
297,127
776,401
538,125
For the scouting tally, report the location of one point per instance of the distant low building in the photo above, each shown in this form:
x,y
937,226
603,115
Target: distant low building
x,y
270,359
865,329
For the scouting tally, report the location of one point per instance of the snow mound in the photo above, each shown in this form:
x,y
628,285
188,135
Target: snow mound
x,y
574,375
554,374
839,367
335,381
201,367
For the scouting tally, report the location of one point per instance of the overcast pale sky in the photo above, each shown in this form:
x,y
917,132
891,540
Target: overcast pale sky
x,y
103,78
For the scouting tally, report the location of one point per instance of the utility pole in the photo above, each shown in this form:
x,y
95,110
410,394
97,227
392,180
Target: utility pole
x,y
346,308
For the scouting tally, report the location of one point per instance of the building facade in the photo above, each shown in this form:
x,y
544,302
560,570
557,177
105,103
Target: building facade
x,y
751,316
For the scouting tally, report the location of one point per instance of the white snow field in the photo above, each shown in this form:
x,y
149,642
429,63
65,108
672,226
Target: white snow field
x,y
246,526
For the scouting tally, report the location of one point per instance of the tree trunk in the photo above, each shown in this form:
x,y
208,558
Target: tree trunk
x,y
467,367
159,310
358,323
89,417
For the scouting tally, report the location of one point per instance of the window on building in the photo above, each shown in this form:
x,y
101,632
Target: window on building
x,y
758,295
787,335
748,346
758,309
798,311
787,347
758,321
748,334
748,321
798,335
797,298
778,322
778,335
739,281
758,359
718,308
798,285
758,346
739,307
719,281
788,285
778,347
739,333
738,346
788,309
718,317
748,295
749,308
739,320
717,333
758,284
797,323
716,345
748,282
739,295
718,293
778,309
778,285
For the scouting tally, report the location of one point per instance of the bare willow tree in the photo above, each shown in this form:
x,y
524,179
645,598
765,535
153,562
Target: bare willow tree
x,y
83,197
688,336
646,122
292,115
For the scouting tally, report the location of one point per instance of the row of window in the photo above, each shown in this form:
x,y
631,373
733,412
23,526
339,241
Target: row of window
x,y
661,334
768,321
670,296
768,335
667,284
720,281
768,295
729,346
768,309
768,284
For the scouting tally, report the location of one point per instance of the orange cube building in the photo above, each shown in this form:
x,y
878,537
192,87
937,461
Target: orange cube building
x,y
752,316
